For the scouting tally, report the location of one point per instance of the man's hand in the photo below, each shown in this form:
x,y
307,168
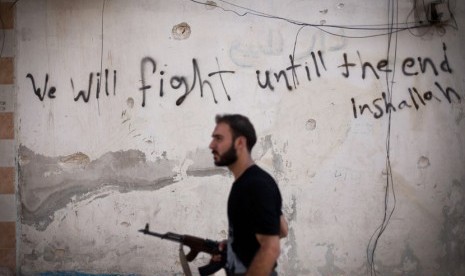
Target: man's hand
x,y
221,246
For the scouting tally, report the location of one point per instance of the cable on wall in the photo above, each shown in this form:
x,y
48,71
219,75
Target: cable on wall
x,y
101,55
380,30
389,192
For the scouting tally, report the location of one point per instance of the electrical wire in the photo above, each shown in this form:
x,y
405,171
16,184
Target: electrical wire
x,y
430,23
455,26
294,77
414,8
101,56
101,48
393,14
322,27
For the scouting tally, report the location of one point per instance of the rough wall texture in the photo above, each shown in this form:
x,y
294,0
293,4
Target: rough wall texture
x,y
358,107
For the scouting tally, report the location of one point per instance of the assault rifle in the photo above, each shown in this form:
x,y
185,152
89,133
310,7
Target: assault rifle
x,y
196,246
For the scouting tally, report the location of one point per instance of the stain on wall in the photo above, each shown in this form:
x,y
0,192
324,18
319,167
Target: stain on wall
x,y
48,184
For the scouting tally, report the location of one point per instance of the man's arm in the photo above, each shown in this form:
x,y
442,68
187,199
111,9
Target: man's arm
x,y
266,256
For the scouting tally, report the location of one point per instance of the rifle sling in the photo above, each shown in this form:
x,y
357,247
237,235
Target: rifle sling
x,y
182,257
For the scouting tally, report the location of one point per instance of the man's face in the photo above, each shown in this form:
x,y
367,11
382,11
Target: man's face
x,y
222,145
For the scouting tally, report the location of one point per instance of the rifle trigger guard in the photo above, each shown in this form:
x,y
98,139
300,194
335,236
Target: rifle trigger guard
x,y
191,255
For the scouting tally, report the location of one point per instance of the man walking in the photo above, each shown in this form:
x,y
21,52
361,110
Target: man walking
x,y
256,222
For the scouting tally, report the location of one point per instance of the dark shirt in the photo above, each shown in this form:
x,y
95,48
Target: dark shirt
x,y
254,207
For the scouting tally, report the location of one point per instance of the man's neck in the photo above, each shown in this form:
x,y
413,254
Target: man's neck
x,y
240,166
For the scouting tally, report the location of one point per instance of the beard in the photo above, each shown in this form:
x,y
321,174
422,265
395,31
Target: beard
x,y
227,158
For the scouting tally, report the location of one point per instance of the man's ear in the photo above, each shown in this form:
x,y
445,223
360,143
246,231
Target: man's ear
x,y
241,142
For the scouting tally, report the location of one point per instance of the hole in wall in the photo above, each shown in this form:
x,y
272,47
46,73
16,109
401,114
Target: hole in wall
x,y
130,102
311,124
181,31
423,162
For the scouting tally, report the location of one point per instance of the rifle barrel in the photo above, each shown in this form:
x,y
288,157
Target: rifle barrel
x,y
168,236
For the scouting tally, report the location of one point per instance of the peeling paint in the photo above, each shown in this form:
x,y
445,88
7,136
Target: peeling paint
x,y
198,169
292,264
330,268
75,160
460,116
453,231
267,147
409,264
53,254
76,178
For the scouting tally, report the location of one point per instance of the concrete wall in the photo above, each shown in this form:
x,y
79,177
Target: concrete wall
x,y
362,128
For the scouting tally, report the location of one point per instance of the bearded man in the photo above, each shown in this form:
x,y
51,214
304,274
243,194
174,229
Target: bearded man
x,y
256,222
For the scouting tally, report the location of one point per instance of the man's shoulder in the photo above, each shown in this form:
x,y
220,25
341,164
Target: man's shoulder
x,y
257,171
258,177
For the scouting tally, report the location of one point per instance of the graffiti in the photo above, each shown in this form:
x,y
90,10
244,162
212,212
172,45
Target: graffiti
x,y
413,99
157,81
381,64
410,63
409,66
381,106
178,82
85,95
37,91
293,70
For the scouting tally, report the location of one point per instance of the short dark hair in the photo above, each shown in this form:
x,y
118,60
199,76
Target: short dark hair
x,y
240,126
